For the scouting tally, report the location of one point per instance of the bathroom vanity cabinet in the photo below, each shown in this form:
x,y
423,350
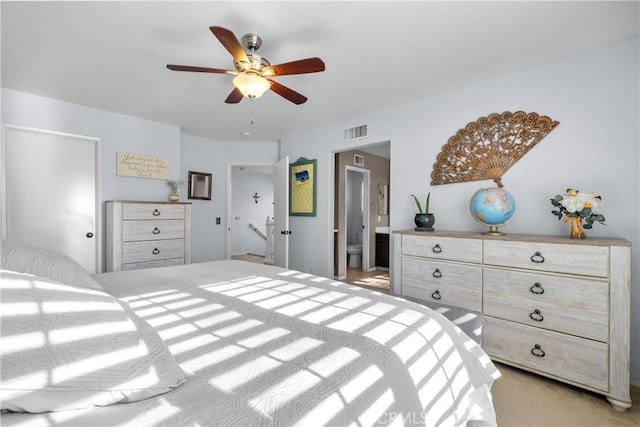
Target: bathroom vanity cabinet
x,y
382,250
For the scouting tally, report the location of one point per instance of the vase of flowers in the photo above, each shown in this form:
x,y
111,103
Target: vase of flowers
x,y
582,210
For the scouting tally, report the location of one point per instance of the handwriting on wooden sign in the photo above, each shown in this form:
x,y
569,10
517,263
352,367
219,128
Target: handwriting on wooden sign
x,y
143,166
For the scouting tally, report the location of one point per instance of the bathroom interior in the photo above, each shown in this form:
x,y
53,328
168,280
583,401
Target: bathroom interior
x,y
361,217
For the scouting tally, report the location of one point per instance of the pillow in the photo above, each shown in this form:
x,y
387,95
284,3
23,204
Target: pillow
x,y
66,347
46,263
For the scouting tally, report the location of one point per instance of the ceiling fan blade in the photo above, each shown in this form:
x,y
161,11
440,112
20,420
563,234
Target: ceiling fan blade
x,y
199,69
287,93
302,66
234,97
230,42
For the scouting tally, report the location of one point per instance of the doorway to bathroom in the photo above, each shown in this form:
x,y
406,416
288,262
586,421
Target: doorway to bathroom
x,y
357,200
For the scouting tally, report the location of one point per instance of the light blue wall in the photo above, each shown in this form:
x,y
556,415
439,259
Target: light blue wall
x,y
208,239
118,132
595,97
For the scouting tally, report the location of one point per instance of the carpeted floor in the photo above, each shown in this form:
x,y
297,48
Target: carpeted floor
x,y
525,399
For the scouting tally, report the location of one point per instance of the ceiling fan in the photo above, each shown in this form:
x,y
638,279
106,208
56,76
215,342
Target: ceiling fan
x,y
253,72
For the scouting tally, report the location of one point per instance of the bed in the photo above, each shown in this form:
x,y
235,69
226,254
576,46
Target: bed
x,y
226,343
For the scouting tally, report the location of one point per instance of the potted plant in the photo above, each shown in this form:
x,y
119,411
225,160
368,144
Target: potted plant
x,y
174,196
424,219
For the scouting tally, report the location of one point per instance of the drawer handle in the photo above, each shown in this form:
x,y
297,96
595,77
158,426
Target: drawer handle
x,y
156,212
156,251
156,230
537,258
536,315
436,295
437,249
537,351
537,289
437,274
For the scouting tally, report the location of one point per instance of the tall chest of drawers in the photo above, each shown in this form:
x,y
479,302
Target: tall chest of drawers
x,y
147,234
554,306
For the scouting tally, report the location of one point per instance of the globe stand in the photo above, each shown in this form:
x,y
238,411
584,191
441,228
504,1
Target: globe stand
x,y
493,231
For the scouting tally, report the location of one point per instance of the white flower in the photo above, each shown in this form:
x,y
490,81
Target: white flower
x,y
572,204
596,206
576,203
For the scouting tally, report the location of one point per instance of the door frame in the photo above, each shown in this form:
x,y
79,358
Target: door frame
x,y
366,215
333,213
230,166
100,227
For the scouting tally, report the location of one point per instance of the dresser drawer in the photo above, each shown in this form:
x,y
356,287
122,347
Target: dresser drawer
x,y
152,211
576,292
551,317
450,248
467,298
150,264
574,359
573,306
442,273
555,257
152,251
445,282
152,230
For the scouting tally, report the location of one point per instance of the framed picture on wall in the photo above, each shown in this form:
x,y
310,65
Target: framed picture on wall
x,y
302,187
200,185
383,199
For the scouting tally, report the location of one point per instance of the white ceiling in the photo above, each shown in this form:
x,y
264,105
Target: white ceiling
x,y
112,56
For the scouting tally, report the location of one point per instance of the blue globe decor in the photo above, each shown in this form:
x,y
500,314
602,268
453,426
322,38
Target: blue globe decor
x,y
492,207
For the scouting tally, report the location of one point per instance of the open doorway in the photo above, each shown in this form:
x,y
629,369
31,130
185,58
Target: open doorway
x,y
250,211
365,170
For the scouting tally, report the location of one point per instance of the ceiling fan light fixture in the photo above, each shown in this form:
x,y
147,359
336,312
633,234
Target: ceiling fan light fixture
x,y
251,85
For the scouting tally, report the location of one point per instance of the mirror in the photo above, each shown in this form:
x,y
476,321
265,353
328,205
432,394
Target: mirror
x,y
200,185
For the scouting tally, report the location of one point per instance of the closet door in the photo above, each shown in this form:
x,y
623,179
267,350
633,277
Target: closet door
x,y
51,193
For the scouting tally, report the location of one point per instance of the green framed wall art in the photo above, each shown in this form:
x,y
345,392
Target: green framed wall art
x,y
302,187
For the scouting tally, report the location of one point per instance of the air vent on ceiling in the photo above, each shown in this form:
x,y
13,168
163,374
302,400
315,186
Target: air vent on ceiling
x,y
356,133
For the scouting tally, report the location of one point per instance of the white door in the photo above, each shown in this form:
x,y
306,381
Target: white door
x,y
281,213
51,193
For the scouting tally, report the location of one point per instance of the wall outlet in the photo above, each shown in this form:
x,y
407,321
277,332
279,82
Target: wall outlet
x,y
313,270
218,221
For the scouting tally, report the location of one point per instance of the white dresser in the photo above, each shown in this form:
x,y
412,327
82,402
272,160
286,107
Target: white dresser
x,y
552,305
147,234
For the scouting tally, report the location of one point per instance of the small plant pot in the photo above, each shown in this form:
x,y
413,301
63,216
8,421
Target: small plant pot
x,y
424,222
174,198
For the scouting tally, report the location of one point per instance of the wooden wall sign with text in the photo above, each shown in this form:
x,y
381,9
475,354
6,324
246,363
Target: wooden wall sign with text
x,y
142,166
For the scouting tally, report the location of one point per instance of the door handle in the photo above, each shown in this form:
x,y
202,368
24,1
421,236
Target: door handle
x,y
89,235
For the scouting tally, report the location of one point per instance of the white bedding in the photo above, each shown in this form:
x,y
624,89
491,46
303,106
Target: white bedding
x,y
265,346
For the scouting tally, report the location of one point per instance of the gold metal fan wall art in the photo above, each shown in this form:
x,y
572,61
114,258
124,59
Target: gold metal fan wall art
x,y
488,147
